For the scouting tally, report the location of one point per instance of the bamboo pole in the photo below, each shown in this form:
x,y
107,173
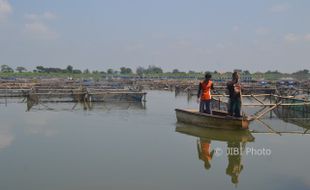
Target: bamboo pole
x,y
241,101
283,104
244,95
266,111
257,99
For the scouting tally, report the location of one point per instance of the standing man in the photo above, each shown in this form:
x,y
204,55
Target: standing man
x,y
234,89
204,94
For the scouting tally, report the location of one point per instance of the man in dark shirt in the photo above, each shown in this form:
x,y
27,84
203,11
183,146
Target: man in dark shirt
x,y
234,89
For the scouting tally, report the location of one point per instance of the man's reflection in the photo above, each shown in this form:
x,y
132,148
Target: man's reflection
x,y
236,142
204,154
234,155
235,165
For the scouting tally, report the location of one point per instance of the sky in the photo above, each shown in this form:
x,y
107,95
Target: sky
x,y
199,35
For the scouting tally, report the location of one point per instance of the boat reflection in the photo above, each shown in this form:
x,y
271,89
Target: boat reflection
x,y
236,143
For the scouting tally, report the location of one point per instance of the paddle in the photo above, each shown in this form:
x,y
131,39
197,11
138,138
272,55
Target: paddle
x,y
241,101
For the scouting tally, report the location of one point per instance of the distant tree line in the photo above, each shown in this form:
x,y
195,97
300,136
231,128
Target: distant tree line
x,y
69,69
150,70
301,74
142,71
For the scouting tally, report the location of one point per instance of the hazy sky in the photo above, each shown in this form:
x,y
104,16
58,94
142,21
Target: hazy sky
x,y
196,35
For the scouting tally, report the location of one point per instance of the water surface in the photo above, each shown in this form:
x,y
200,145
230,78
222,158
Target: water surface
x,y
137,146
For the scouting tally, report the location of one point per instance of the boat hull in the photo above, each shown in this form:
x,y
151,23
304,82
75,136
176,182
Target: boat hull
x,y
219,121
214,134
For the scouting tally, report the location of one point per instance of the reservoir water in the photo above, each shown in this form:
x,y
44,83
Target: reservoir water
x,y
141,146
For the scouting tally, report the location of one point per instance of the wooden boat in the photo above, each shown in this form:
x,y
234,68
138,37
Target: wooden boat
x,y
213,134
218,119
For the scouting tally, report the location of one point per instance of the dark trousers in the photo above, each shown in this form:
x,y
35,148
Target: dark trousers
x,y
234,107
205,106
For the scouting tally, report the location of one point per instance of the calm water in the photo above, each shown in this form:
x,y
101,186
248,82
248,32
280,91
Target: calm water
x,y
135,146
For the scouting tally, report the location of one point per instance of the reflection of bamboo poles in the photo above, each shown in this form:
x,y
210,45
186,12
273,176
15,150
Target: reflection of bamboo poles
x,y
89,106
284,132
48,108
268,127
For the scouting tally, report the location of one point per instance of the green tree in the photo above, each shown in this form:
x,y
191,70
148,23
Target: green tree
x,y
69,68
154,70
175,71
77,71
6,69
40,69
86,71
110,71
300,75
246,72
95,72
125,70
21,69
140,71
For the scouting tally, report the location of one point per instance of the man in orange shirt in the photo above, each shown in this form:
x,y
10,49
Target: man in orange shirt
x,y
204,94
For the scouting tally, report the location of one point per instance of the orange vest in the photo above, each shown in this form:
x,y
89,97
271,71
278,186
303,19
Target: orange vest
x,y
206,90
206,151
